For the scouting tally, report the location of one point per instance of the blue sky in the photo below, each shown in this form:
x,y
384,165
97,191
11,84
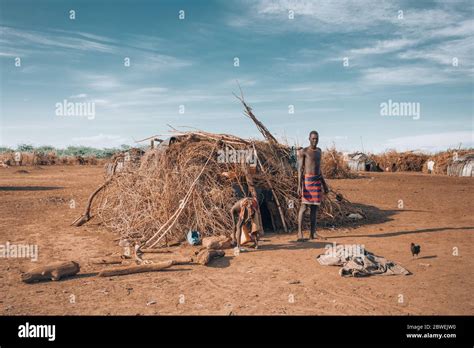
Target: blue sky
x,y
400,56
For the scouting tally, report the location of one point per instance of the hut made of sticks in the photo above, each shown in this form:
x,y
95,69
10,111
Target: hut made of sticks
x,y
193,181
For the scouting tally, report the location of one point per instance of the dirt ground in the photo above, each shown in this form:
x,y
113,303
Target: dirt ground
x,y
282,277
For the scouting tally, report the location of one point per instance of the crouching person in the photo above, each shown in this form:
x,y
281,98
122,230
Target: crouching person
x,y
245,216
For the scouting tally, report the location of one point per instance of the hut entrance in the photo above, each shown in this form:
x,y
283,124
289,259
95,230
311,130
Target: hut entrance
x,y
266,217
268,209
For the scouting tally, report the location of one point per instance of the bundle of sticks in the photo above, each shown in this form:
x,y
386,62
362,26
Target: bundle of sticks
x,y
393,161
334,166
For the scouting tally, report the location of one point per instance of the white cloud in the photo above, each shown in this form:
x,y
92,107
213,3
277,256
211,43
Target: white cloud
x,y
444,52
385,46
158,62
78,96
432,142
458,29
242,81
8,54
44,40
327,15
416,36
101,82
406,75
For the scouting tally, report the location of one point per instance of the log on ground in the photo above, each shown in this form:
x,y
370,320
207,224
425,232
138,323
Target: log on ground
x,y
217,242
117,271
52,271
205,256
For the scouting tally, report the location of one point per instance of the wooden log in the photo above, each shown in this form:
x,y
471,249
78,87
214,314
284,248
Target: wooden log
x,y
182,261
206,255
260,126
86,216
156,251
144,268
217,242
52,271
117,271
106,260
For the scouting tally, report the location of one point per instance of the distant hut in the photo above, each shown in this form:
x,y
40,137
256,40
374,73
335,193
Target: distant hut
x,y
463,166
360,162
126,159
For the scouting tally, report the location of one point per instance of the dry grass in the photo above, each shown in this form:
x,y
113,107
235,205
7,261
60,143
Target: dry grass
x,y
393,161
45,159
333,165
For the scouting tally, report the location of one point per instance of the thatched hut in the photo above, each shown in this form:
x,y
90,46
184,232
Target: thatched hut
x,y
444,159
463,166
125,159
192,182
360,162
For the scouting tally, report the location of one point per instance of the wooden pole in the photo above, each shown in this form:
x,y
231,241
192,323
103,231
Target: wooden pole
x,y
81,220
253,192
277,201
117,271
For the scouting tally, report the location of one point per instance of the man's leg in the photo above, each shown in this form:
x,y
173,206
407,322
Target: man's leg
x,y
234,212
238,232
234,227
254,237
300,221
313,215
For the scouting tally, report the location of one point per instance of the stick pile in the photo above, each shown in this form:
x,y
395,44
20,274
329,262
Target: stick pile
x,y
334,166
393,161
185,185
138,203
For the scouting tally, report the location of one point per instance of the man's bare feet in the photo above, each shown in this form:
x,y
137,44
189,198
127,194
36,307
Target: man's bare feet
x,y
300,240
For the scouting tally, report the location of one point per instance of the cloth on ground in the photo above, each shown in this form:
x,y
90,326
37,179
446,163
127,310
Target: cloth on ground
x,y
311,189
361,265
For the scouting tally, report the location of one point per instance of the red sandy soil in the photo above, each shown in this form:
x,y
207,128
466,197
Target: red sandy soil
x,y
437,214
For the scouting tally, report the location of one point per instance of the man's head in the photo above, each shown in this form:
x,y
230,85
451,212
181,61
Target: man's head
x,y
313,139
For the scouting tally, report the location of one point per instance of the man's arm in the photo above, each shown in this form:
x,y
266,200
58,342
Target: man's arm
x,y
300,157
325,186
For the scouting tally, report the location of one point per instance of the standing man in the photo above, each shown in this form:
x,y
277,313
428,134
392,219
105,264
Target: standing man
x,y
310,180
